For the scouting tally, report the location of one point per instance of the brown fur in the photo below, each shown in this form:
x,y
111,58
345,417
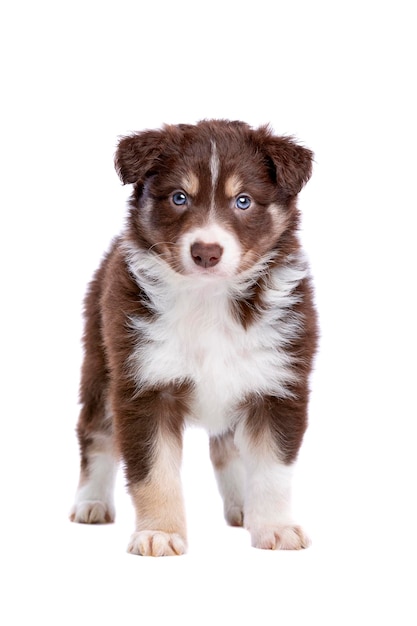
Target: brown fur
x,y
272,170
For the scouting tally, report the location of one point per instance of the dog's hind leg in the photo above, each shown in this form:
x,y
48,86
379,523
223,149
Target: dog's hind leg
x,y
94,497
229,472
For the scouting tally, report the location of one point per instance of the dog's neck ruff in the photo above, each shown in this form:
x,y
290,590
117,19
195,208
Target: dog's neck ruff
x,y
195,336
160,281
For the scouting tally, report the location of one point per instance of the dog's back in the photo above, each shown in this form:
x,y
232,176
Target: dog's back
x,y
202,311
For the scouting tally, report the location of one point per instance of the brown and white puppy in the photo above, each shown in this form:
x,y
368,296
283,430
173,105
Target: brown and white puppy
x,y
201,313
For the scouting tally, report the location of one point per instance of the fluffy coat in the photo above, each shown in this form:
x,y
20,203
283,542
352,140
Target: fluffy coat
x,y
201,312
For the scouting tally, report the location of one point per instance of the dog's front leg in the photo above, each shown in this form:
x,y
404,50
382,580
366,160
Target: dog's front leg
x,y
158,502
150,436
268,442
267,509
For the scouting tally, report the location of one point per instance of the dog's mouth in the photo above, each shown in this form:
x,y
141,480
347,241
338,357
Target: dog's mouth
x,y
218,271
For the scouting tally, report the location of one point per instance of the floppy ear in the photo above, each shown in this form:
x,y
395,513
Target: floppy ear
x,y
137,154
292,162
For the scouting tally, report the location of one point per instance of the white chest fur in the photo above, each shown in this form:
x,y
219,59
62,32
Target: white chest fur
x,y
194,336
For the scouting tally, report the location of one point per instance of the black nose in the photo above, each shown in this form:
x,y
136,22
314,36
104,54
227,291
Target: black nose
x,y
206,254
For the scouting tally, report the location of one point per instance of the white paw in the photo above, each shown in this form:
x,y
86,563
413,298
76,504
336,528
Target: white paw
x,y
234,516
285,537
92,512
156,543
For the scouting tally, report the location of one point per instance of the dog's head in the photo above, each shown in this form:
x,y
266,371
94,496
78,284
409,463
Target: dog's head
x,y
215,198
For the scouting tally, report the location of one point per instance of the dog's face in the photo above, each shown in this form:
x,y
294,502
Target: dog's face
x,y
212,199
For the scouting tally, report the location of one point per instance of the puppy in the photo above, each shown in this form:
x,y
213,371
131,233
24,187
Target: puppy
x,y
201,313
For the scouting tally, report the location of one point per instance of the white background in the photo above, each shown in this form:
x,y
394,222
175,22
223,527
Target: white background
x,y
341,77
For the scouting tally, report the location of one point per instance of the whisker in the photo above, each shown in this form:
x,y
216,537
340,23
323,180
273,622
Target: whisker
x,y
162,243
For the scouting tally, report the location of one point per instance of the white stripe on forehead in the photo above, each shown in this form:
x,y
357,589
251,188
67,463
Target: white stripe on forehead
x,y
214,166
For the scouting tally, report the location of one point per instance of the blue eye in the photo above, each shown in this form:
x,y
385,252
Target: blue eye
x,y
243,202
179,198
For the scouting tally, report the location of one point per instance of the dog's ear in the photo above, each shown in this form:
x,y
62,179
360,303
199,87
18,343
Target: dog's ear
x,y
137,154
292,163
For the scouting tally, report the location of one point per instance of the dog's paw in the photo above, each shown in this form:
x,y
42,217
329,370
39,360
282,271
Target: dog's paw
x,y
234,516
156,543
92,512
285,537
